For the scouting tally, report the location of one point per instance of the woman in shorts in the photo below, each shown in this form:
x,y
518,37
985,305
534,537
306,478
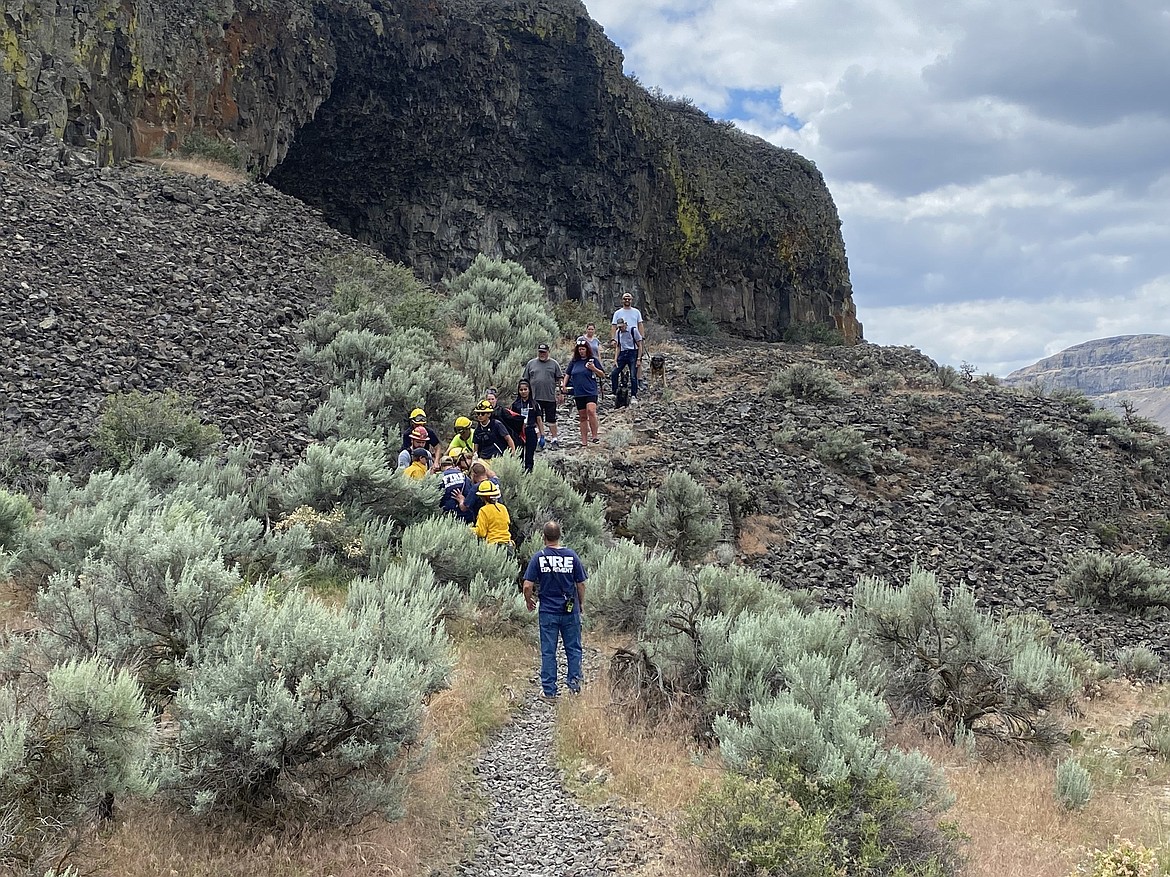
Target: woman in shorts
x,y
581,378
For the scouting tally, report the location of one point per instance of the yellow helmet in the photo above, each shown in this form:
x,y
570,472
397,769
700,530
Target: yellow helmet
x,y
484,407
418,415
462,423
488,490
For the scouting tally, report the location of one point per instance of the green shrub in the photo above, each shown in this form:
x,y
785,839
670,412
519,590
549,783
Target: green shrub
x,y
883,383
845,449
1073,786
948,377
740,501
1001,477
1107,532
1074,399
68,747
355,474
573,316
956,665
213,148
676,516
542,495
1099,421
456,554
1162,531
16,513
505,314
700,322
806,382
301,709
814,333
1123,859
780,823
362,280
134,423
1136,442
1129,582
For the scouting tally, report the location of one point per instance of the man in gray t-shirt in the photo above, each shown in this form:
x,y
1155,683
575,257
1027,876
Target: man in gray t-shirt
x,y
544,376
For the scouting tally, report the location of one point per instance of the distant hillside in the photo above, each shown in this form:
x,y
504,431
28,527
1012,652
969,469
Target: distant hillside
x,y
1133,367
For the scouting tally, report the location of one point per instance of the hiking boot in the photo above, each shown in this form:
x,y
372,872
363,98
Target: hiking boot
x,y
549,698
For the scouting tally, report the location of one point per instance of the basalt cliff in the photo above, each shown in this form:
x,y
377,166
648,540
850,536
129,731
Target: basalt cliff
x,y
438,129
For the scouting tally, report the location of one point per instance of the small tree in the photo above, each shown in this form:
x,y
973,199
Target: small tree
x,y
676,516
1129,582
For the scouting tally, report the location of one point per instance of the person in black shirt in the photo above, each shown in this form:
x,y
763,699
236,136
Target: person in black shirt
x,y
491,438
528,411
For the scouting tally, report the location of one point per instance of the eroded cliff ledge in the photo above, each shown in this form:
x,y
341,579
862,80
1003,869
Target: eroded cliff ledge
x,y
438,130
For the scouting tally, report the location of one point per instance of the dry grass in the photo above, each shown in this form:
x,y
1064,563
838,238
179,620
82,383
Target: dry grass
x,y
603,755
150,839
15,602
198,167
1009,810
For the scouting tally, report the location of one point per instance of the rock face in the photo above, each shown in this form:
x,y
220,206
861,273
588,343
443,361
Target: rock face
x,y
440,130
1127,367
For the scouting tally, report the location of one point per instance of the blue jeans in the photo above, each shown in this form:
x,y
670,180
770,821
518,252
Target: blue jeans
x,y
626,359
566,627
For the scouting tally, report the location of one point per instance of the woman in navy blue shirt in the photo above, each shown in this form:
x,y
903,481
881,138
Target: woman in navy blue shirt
x,y
581,376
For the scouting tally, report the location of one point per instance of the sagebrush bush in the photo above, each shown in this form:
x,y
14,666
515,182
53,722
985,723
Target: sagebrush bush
x,y
1138,662
1074,399
1151,734
676,516
456,554
845,449
948,377
155,589
814,333
1041,444
573,316
1073,784
1129,582
68,748
356,474
133,423
300,708
1098,421
16,513
626,580
806,382
957,666
700,322
213,148
1001,476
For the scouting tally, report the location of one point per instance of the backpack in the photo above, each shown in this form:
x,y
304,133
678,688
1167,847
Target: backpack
x,y
512,421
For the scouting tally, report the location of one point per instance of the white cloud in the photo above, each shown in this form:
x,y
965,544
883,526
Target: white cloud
x,y
1000,168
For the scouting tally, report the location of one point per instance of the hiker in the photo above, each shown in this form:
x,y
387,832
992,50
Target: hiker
x,y
490,438
467,496
582,374
503,412
592,340
462,440
451,478
418,438
493,524
420,465
558,577
633,318
528,412
628,341
418,418
544,376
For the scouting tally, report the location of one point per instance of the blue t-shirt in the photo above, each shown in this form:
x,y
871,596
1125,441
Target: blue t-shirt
x,y
557,572
582,381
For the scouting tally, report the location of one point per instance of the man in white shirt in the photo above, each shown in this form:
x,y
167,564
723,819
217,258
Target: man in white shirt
x,y
632,317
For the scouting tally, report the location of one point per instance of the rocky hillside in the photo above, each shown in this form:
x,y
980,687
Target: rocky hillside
x,y
1128,367
439,130
117,279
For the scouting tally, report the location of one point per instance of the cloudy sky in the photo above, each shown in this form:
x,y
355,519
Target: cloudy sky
x,y
1002,167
